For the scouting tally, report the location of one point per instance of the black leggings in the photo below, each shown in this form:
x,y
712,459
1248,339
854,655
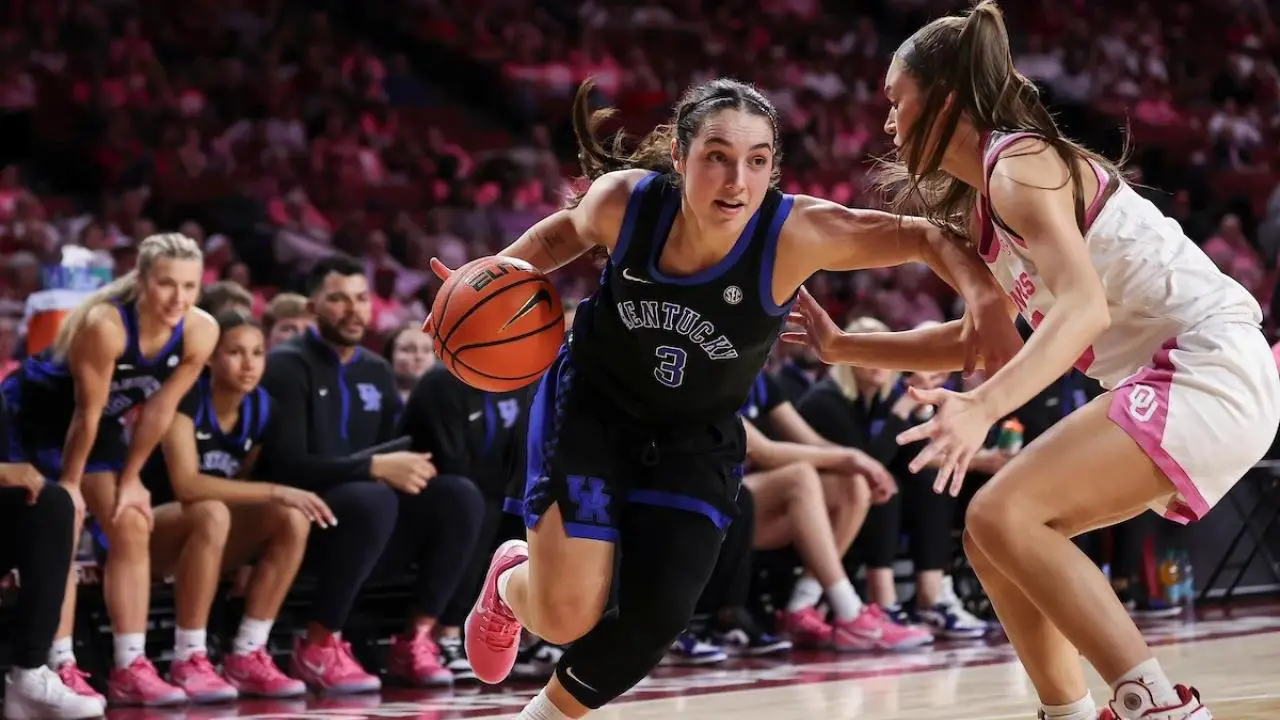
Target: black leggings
x,y
928,517
37,540
731,579
381,529
495,527
665,559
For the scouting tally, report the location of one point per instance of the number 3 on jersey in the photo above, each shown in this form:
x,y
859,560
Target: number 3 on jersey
x,y
670,370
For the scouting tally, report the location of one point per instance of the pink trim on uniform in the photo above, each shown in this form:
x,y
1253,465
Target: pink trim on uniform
x,y
1140,406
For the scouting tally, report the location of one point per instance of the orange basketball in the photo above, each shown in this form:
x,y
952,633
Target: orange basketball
x,y
498,324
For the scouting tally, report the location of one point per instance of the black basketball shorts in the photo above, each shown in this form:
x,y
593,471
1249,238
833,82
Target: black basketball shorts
x,y
593,461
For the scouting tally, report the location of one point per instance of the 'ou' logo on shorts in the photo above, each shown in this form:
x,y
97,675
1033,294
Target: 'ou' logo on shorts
x,y
1143,402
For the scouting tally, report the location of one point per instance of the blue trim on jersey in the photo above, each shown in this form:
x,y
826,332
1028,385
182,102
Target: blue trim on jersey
x,y
629,219
129,316
490,423
343,393
768,258
662,231
662,498
264,414
592,532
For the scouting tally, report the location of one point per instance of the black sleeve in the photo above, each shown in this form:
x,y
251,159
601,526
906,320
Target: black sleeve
x,y
882,436
435,418
389,425
826,415
286,448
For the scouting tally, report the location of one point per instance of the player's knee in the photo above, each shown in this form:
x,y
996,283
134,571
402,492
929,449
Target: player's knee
x,y
461,496
291,527
989,519
128,534
209,522
803,480
971,550
564,617
854,491
54,506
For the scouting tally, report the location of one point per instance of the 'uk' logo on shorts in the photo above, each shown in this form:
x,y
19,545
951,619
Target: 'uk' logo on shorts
x,y
1143,403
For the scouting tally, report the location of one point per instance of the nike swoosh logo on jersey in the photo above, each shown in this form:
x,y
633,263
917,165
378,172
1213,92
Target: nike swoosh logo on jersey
x,y
626,275
203,436
539,297
475,416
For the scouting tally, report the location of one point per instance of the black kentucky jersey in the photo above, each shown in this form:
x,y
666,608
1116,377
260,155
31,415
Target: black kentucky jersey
x,y
49,388
219,453
680,349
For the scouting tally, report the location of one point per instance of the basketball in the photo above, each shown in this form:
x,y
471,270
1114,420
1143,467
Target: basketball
x,y
498,324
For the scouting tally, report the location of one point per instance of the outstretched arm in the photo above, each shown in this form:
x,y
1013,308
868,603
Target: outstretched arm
x,y
1046,219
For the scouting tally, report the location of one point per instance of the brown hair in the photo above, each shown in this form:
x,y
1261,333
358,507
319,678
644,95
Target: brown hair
x,y
216,297
967,58
285,306
653,152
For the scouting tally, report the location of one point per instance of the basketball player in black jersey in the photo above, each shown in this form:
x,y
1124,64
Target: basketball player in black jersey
x,y
137,342
634,437
210,518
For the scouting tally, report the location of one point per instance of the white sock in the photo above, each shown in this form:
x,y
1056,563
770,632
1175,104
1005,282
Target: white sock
x,y
806,593
1150,675
187,643
845,603
503,579
541,708
61,652
129,647
252,636
1082,709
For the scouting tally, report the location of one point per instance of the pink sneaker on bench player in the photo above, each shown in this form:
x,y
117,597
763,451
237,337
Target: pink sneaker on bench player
x,y
492,631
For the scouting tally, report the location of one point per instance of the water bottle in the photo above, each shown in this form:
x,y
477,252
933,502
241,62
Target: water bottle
x,y
1010,436
1188,584
1170,580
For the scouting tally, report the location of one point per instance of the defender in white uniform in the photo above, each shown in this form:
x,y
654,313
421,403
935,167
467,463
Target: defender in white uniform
x,y
1196,384
1114,288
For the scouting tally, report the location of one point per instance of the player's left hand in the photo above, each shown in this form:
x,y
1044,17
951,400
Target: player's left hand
x,y
955,434
133,495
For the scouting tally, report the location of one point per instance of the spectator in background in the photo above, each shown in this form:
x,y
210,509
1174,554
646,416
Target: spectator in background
x,y
393,508
8,346
287,316
411,354
226,295
867,408
477,435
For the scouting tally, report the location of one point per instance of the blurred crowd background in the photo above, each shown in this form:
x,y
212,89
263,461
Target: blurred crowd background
x,y
274,131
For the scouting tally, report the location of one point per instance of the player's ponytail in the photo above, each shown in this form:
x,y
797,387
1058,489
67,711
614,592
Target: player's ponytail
x,y
652,153
964,68
125,288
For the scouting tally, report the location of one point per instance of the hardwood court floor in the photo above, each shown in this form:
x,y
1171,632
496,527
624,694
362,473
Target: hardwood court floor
x,y
1232,657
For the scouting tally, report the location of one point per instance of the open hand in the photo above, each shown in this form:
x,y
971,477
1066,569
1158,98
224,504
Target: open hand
x,y
815,328
955,434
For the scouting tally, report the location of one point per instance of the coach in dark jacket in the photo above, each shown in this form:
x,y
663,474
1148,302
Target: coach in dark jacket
x,y
338,403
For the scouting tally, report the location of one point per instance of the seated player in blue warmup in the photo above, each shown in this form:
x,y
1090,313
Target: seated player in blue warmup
x,y
138,342
212,518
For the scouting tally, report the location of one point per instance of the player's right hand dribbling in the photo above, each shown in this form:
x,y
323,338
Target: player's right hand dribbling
x,y
407,472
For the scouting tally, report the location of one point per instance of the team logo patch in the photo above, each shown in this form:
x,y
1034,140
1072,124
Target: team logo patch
x,y
1143,403
733,294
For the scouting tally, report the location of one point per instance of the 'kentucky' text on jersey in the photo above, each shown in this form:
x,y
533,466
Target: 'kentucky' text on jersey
x,y
699,340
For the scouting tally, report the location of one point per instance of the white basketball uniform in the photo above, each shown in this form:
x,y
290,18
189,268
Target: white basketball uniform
x,y
1194,381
